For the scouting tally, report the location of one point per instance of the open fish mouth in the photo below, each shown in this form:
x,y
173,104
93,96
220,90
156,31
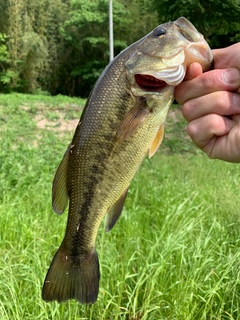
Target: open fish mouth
x,y
155,81
149,83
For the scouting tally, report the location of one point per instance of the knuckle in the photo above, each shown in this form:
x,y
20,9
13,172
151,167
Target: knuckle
x,y
215,122
222,101
209,81
187,109
192,130
179,93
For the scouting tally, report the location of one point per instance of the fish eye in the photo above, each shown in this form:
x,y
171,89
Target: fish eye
x,y
159,31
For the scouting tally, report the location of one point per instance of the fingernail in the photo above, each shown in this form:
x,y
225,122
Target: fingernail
x,y
231,76
236,99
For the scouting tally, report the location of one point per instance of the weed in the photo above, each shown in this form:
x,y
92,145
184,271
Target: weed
x,y
174,253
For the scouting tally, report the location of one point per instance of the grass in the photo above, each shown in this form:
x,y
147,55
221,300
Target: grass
x,y
174,253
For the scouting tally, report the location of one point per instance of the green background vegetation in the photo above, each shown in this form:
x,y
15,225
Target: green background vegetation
x,y
174,253
61,46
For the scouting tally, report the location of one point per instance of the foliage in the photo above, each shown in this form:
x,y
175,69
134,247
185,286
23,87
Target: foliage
x,y
61,46
32,41
173,254
4,55
217,20
5,75
86,31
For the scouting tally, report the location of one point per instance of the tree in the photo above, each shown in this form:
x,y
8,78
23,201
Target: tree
x,y
48,19
87,34
62,46
5,76
215,19
33,42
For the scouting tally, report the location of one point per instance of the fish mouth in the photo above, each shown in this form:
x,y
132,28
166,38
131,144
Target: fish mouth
x,y
156,81
149,83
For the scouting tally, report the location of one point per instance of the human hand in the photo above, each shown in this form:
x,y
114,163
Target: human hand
x,y
211,105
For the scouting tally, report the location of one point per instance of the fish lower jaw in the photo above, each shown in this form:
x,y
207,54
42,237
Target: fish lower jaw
x,y
172,75
156,81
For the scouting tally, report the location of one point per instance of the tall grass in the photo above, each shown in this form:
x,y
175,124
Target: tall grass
x,y
174,253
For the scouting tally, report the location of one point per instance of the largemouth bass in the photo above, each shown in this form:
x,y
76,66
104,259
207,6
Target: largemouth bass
x,y
121,122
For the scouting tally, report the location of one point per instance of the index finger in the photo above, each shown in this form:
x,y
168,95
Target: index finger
x,y
208,82
227,57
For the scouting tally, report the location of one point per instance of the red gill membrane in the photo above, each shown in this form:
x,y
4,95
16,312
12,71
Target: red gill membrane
x,y
149,83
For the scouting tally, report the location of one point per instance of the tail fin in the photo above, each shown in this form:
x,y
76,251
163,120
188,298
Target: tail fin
x,y
72,277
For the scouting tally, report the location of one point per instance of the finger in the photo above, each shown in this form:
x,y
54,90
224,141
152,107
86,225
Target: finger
x,y
193,70
204,129
208,82
220,102
226,57
226,147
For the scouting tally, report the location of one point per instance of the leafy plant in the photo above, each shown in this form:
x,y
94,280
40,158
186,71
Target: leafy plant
x,y
214,18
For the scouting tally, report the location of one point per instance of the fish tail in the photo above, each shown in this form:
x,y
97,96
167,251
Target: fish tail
x,y
72,277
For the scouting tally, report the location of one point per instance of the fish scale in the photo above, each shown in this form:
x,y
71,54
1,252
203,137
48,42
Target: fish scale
x,y
121,122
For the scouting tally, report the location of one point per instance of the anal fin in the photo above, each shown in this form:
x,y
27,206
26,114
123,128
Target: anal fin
x,y
114,212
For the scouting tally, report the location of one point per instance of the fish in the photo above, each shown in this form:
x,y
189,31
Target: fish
x,y
122,122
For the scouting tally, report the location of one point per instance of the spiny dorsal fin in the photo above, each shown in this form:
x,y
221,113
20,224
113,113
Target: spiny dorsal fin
x,y
59,187
114,212
157,141
133,119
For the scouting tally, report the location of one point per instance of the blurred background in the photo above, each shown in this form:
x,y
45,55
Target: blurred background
x,y
62,46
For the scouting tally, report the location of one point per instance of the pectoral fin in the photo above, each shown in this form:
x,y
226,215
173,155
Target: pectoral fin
x,y
59,187
114,212
133,119
157,141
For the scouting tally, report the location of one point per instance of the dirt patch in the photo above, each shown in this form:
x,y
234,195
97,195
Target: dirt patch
x,y
174,115
64,122
59,125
